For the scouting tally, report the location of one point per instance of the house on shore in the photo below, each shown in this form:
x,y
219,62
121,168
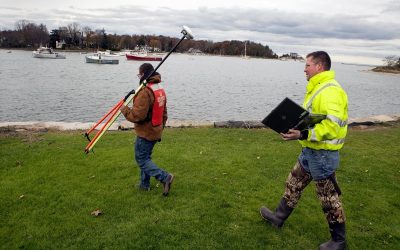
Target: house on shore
x,y
291,56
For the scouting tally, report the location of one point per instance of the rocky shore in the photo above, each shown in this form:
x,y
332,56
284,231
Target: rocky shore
x,y
387,69
124,125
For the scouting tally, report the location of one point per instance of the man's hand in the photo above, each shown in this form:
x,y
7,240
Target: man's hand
x,y
122,107
132,92
292,134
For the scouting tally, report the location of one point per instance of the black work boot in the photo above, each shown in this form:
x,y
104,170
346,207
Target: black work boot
x,y
277,219
338,241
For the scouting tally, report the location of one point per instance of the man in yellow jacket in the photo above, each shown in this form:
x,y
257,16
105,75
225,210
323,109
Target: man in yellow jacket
x,y
319,158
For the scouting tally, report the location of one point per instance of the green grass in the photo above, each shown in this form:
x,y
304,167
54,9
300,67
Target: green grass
x,y
49,187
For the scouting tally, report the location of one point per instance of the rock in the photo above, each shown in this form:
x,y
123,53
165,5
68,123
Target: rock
x,y
239,124
369,121
183,124
126,125
15,127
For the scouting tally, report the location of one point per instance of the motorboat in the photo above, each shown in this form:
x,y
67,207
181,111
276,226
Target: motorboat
x,y
123,52
142,57
107,53
100,59
45,52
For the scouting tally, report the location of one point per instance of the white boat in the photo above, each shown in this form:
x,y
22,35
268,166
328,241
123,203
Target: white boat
x,y
245,52
44,52
123,52
107,53
100,59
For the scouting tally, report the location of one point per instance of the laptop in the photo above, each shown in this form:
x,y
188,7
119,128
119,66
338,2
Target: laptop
x,y
288,115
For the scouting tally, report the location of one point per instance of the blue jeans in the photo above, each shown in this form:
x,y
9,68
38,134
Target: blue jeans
x,y
143,151
319,163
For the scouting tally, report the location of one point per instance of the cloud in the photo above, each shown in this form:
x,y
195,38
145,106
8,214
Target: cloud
x,y
393,7
295,24
133,19
282,29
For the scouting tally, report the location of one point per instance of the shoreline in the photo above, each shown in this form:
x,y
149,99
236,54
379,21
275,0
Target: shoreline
x,y
125,125
394,69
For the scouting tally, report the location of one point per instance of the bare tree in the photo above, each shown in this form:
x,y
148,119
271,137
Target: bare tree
x,y
391,61
87,31
74,33
21,24
155,44
32,34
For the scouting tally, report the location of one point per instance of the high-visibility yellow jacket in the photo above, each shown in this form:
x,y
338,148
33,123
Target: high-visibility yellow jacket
x,y
326,97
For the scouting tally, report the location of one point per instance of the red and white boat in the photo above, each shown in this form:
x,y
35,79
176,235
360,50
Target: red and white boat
x,y
144,57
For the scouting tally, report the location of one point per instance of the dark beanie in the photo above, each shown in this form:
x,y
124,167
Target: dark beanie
x,y
145,69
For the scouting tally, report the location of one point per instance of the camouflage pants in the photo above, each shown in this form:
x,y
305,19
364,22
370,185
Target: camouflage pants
x,y
297,180
327,192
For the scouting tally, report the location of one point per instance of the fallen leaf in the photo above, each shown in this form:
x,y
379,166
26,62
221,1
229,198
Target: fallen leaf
x,y
97,213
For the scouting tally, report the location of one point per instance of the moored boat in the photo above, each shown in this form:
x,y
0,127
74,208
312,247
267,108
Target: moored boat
x,y
107,53
144,57
99,59
44,52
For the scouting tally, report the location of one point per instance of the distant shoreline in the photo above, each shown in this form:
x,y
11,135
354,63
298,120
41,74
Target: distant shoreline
x,y
205,54
387,69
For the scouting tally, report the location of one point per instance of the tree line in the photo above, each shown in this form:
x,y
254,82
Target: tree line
x,y
75,36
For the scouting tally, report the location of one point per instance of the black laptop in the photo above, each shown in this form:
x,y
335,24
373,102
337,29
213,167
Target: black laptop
x,y
288,115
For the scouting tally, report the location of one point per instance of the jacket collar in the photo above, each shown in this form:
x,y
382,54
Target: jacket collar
x,y
154,79
320,78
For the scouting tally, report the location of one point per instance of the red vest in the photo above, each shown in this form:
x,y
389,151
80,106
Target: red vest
x,y
160,100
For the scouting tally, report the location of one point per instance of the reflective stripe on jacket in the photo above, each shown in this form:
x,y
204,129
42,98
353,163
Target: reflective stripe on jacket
x,y
326,97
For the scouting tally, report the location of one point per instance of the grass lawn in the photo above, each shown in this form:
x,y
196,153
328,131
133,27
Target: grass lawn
x,y
49,187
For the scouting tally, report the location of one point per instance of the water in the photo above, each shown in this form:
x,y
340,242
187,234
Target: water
x,y
199,88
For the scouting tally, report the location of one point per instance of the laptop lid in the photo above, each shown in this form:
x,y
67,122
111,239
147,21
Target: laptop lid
x,y
285,116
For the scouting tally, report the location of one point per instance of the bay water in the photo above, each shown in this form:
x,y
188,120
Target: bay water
x,y
199,88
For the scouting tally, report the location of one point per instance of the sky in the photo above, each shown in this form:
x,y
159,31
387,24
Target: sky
x,y
351,31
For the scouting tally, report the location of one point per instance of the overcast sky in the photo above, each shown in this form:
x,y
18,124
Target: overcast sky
x,y
350,30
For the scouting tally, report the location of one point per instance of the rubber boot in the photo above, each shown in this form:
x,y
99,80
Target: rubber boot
x,y
277,219
338,241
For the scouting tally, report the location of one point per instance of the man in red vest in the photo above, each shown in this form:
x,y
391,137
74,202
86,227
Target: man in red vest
x,y
149,114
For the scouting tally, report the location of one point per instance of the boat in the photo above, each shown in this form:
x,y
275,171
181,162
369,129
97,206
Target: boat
x,y
245,52
45,52
142,57
99,59
107,53
123,52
